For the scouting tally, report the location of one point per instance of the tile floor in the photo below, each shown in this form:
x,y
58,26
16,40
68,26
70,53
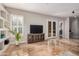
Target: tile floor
x,y
44,48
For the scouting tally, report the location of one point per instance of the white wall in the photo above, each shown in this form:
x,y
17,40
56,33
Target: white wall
x,y
67,28
31,18
36,19
74,25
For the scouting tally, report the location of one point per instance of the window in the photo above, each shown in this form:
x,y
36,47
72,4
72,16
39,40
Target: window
x,y
17,23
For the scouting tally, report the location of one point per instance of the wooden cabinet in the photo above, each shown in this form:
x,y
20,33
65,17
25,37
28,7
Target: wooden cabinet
x,y
54,28
49,28
35,38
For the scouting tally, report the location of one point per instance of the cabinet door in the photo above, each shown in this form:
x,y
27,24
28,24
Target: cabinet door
x,y
1,45
49,28
54,28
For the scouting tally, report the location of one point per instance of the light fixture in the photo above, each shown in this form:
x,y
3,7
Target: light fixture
x,y
73,12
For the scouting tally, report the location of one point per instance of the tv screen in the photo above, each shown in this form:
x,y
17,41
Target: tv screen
x,y
36,29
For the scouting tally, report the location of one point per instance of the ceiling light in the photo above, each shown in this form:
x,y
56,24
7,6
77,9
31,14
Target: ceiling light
x,y
73,11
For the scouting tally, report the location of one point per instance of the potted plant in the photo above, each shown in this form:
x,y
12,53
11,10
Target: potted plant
x,y
17,36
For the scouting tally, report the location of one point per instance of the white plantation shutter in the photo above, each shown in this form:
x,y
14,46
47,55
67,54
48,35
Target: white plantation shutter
x,y
17,23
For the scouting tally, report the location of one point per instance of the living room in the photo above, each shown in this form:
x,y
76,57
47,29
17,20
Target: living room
x,y
38,25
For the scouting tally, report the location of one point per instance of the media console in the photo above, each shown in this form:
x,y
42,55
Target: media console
x,y
35,37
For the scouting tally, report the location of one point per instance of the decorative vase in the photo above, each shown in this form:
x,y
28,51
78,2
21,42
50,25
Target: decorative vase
x,y
17,42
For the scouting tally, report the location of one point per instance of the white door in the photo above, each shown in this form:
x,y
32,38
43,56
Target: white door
x,y
61,29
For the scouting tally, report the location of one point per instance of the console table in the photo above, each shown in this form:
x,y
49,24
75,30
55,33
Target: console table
x,y
35,37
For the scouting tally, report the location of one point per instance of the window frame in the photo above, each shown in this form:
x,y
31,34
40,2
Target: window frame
x,y
14,17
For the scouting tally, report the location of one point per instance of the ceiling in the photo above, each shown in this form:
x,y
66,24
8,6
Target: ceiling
x,y
53,9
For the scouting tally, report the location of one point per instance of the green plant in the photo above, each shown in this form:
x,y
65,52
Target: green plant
x,y
18,36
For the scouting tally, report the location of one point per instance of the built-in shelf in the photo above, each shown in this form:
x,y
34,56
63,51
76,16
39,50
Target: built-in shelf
x,y
3,29
3,39
4,25
5,47
1,23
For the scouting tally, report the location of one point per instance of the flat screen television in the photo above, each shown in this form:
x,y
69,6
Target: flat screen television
x,y
36,29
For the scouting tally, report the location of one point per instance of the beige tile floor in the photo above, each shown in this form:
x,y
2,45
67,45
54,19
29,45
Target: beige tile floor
x,y
41,49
